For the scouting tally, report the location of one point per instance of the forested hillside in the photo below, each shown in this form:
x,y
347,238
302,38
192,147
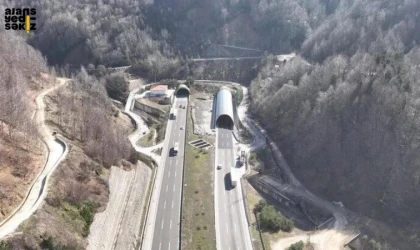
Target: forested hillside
x,y
110,33
21,150
346,112
152,36
274,26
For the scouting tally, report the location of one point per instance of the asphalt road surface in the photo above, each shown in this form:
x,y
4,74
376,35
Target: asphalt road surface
x,y
167,224
231,229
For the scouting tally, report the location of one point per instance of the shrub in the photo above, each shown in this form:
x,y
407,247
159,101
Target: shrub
x,y
189,82
297,246
4,245
117,86
48,243
273,221
261,203
87,212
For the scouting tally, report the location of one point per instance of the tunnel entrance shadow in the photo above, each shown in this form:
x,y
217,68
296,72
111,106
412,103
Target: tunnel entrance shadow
x,y
182,93
224,121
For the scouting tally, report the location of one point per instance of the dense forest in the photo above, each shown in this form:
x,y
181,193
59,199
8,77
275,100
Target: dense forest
x,y
156,37
110,33
347,110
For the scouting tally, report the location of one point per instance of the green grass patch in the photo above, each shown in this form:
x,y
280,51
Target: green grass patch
x,y
80,216
197,230
253,160
253,199
147,140
239,94
87,212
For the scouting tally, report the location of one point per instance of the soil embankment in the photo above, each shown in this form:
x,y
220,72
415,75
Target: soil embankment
x,y
120,223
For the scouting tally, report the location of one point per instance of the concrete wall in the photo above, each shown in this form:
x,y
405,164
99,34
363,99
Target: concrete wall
x,y
150,110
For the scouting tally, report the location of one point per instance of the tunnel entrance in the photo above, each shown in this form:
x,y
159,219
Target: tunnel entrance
x,y
182,93
224,121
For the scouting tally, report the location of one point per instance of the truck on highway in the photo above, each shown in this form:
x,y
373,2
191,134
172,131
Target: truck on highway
x,y
233,182
233,179
175,149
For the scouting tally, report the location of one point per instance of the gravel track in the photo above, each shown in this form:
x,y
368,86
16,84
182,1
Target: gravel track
x,y
118,227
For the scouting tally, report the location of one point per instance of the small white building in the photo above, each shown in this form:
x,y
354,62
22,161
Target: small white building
x,y
158,90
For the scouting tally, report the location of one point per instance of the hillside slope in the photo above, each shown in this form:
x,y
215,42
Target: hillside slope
x,y
347,115
22,153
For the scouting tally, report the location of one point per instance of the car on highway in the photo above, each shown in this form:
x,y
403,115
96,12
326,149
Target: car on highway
x,y
183,107
173,114
181,128
219,167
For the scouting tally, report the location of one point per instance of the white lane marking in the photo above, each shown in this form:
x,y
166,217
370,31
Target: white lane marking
x,y
227,228
172,204
169,173
235,227
173,190
169,245
175,173
170,224
162,223
166,188
164,205
160,245
170,161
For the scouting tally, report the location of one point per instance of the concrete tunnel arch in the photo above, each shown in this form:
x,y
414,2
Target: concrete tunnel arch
x,y
224,109
182,90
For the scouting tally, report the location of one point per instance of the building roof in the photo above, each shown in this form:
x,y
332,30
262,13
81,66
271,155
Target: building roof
x,y
159,88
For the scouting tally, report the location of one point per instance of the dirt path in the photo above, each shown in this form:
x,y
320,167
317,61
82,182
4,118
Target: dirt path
x,y
57,151
119,226
321,240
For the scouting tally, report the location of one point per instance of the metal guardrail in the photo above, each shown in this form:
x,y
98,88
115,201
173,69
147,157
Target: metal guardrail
x,y
152,184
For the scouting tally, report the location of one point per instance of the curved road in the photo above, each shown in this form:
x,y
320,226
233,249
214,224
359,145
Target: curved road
x,y
57,150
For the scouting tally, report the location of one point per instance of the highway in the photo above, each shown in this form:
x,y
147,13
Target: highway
x,y
166,234
231,227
